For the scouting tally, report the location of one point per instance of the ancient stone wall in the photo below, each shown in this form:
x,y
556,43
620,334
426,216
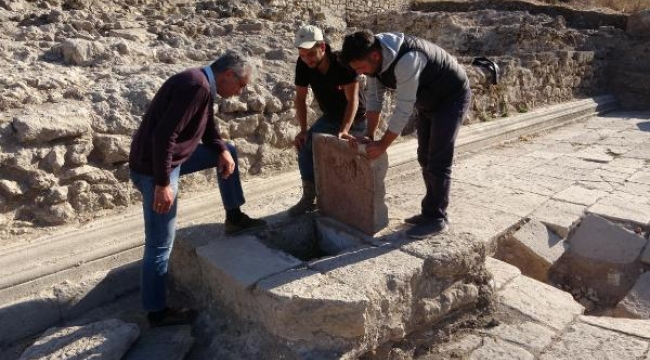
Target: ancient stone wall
x,y
77,75
541,60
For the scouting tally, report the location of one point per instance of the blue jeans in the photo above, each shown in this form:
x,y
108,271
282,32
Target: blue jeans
x,y
160,229
322,126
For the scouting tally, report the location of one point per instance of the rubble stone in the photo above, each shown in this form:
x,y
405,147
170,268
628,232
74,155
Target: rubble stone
x,y
105,340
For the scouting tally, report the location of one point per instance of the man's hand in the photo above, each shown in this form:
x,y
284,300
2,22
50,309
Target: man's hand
x,y
226,164
345,135
354,142
300,139
163,199
374,149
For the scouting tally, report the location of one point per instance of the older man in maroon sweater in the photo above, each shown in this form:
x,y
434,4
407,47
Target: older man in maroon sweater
x,y
178,136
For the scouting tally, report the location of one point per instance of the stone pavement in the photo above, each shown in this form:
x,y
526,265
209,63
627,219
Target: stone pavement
x,y
600,166
546,323
556,178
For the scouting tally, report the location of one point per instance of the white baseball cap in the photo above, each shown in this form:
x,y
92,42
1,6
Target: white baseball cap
x,y
307,36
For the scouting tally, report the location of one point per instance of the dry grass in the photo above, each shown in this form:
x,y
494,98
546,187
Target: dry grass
x,y
625,6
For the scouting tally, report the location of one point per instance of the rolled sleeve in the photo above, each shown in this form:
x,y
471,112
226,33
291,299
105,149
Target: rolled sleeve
x,y
407,76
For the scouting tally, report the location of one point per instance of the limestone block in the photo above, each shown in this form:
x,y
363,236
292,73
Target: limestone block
x,y
533,249
528,335
486,224
168,342
231,265
624,207
600,240
90,174
112,148
633,327
105,340
49,122
495,349
638,24
81,52
11,188
576,194
637,301
335,237
313,311
403,296
540,302
350,187
448,255
582,341
502,272
560,216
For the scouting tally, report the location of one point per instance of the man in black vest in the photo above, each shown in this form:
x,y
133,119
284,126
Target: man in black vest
x,y
425,78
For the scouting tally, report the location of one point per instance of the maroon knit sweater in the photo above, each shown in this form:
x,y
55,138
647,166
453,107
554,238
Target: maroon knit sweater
x,y
179,116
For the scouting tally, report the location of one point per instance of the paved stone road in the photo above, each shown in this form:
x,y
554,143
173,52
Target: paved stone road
x,y
601,166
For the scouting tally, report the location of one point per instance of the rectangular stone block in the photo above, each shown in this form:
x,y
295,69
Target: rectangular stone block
x,y
533,249
560,216
622,206
540,302
634,327
582,341
230,266
599,239
350,187
335,237
637,301
576,194
449,255
529,335
312,311
502,272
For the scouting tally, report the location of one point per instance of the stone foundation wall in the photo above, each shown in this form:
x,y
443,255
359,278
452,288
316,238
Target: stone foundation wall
x,y
77,76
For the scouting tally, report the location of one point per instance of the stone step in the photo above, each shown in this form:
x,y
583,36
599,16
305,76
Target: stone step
x,y
75,252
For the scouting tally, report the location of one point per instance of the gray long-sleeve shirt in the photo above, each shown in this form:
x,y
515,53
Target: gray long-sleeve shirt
x,y
407,73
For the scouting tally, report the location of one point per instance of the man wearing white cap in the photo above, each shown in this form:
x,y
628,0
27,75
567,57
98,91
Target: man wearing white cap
x,y
336,88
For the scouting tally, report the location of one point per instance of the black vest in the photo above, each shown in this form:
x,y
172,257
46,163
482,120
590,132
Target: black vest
x,y
442,78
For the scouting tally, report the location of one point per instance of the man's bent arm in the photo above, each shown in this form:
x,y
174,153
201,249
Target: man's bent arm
x,y
351,91
300,102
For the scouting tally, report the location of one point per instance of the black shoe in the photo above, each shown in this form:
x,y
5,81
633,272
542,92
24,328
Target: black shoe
x,y
171,317
427,228
417,219
243,224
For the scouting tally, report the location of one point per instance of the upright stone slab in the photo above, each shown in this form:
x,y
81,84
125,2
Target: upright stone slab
x,y
636,303
533,249
350,187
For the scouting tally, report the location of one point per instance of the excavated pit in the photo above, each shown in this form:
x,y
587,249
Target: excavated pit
x,y
602,264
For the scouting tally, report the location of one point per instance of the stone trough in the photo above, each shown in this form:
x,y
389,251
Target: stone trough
x,y
323,289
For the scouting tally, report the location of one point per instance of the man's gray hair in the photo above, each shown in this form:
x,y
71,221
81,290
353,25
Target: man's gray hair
x,y
236,61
